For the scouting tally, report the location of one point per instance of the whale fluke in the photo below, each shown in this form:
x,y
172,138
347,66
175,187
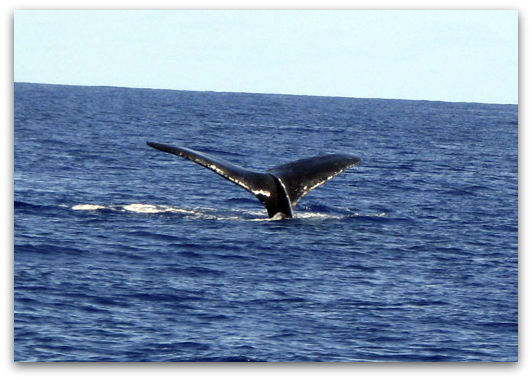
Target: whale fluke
x,y
281,187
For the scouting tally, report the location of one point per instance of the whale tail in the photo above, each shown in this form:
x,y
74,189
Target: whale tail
x,y
281,187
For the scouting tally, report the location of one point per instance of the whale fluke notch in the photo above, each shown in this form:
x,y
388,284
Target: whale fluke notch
x,y
281,187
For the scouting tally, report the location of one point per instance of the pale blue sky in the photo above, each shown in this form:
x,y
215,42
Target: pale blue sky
x,y
436,55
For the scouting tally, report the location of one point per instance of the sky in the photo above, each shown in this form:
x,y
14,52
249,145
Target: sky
x,y
467,56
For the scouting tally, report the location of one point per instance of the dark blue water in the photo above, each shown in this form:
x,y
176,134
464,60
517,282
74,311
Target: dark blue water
x,y
125,253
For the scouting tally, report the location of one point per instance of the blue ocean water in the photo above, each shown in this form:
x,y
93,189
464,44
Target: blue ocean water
x,y
125,253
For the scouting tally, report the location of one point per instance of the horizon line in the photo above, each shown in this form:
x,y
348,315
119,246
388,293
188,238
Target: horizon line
x,y
262,93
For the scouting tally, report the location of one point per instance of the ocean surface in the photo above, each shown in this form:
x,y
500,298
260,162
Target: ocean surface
x,y
126,253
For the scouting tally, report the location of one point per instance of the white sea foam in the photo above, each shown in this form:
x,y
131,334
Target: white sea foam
x,y
211,213
144,208
88,207
134,207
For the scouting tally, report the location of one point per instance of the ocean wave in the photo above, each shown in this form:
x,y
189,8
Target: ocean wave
x,y
217,214
134,207
191,213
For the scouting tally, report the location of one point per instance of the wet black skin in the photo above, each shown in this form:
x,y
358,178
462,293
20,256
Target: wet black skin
x,y
279,188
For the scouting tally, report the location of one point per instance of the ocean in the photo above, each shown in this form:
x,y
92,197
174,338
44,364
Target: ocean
x,y
126,253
